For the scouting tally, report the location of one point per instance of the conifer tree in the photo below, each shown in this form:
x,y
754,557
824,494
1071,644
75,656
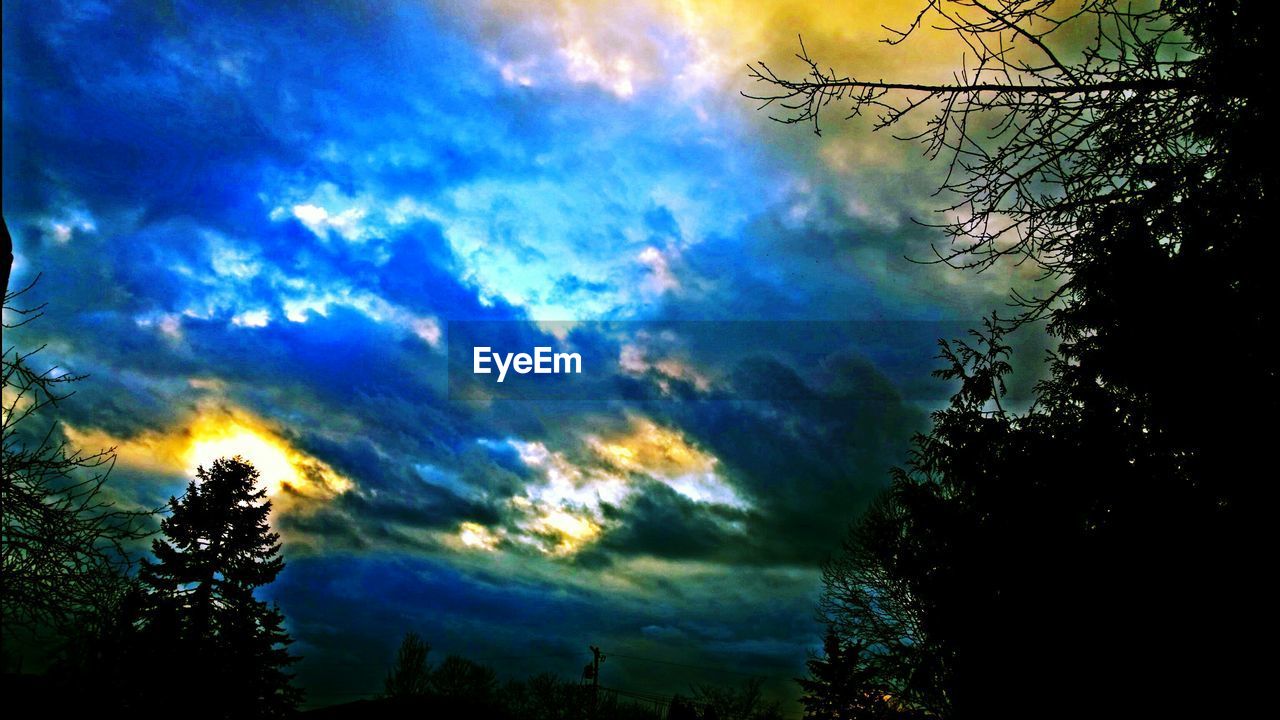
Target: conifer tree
x,y
200,612
843,683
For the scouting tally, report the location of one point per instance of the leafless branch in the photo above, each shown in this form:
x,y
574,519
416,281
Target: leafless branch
x,y
1035,146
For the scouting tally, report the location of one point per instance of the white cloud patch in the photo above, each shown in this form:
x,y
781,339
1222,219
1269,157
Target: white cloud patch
x,y
322,223
232,262
563,511
259,318
330,213
63,226
300,299
660,279
661,355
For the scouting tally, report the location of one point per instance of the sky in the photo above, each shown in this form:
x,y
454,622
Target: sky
x,y
255,227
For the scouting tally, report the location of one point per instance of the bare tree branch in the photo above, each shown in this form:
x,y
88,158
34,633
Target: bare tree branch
x,y
1036,146
66,546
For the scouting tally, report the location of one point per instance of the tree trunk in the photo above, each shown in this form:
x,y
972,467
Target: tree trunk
x,y
8,254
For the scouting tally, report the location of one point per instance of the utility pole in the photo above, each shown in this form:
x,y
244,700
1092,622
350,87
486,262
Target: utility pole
x,y
596,658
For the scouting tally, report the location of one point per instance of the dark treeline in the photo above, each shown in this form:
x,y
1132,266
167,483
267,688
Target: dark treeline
x,y
1103,552
459,687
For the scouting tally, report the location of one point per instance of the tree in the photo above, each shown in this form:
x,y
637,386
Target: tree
x,y
6,248
411,675
548,697
458,677
1039,147
845,683
1103,549
745,703
1023,558
66,544
200,611
681,709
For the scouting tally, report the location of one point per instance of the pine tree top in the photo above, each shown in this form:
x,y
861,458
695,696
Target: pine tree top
x,y
218,532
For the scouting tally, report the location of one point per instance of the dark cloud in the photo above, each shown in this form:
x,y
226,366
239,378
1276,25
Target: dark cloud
x,y
664,523
808,461
526,627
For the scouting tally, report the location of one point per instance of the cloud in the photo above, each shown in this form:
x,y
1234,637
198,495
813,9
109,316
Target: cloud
x,y
295,481
577,495
256,226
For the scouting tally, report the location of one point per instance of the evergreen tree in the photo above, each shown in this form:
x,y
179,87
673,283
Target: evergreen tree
x,y
200,615
844,684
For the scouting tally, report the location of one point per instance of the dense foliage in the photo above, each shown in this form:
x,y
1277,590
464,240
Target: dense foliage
x,y
1102,551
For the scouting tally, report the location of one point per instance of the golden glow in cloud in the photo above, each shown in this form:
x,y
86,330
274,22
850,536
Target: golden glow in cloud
x,y
477,536
664,455
564,512
654,450
686,48
292,478
569,531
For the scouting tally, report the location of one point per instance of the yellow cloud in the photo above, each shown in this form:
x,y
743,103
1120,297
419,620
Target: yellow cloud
x,y
291,477
563,512
664,455
653,450
690,46
478,537
569,531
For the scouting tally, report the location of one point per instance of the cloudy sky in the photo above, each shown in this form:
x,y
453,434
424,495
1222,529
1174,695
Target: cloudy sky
x,y
256,227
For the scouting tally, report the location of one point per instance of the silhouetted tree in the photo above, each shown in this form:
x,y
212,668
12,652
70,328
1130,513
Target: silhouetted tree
x,y
681,709
65,546
229,648
1043,553
845,683
1063,110
459,677
743,703
547,697
411,675
1103,549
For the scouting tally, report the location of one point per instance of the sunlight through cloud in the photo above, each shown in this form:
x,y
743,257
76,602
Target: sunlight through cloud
x,y
292,478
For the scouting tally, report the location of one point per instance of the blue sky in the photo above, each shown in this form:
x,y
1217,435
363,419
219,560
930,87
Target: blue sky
x,y
253,227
